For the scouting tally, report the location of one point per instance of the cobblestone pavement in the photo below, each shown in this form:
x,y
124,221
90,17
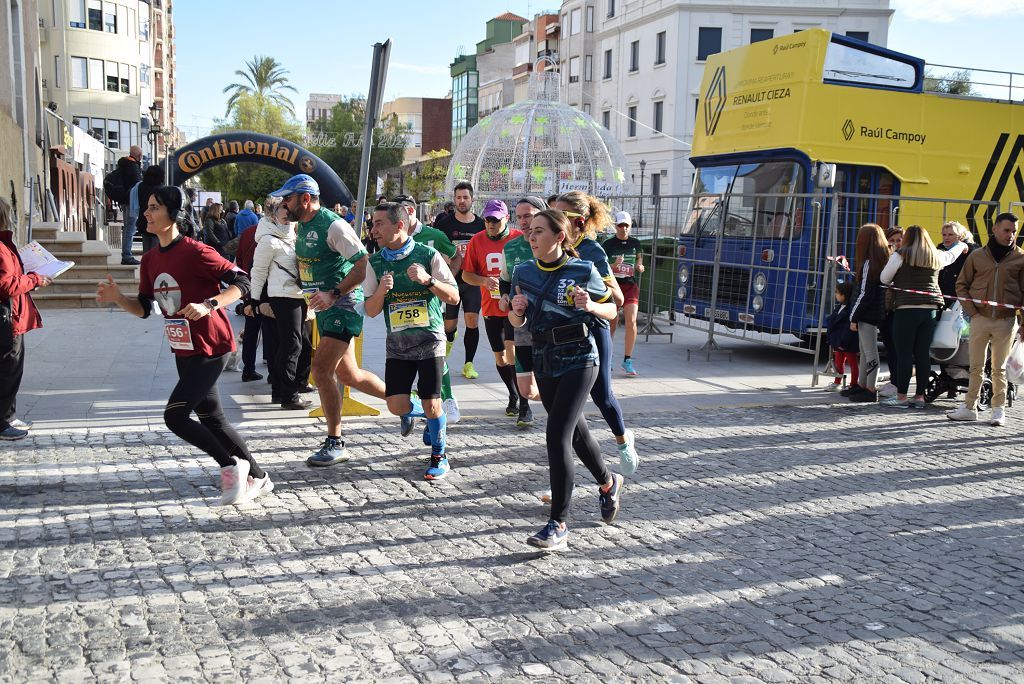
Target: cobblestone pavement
x,y
756,543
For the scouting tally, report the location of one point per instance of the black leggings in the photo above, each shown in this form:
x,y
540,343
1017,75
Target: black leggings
x,y
567,432
289,317
197,391
602,394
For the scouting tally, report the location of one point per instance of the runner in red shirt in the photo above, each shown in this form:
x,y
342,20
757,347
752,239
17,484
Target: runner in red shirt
x,y
485,256
184,278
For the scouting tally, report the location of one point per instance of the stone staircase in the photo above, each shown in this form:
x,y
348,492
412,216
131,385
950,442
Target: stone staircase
x,y
76,288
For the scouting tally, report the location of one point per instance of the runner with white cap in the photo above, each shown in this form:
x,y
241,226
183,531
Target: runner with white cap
x,y
626,257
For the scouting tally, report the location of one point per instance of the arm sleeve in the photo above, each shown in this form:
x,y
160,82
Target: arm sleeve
x,y
342,238
370,282
597,287
439,270
863,288
239,279
262,262
889,272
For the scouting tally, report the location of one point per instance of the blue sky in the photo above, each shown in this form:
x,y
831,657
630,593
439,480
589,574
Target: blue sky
x,y
328,49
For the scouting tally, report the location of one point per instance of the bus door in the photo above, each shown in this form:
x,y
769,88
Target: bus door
x,y
856,211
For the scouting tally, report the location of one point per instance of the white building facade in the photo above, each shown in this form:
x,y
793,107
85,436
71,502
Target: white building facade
x,y
636,66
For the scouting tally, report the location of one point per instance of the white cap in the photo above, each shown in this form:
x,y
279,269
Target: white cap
x,y
623,217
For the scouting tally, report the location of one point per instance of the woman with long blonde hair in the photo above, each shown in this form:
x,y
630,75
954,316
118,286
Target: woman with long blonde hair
x,y
913,273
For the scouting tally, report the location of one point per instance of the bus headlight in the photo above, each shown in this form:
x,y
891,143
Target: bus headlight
x,y
757,303
681,292
760,283
684,275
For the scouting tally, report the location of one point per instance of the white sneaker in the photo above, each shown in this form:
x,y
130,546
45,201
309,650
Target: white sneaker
x,y
998,417
233,481
833,387
257,487
451,410
963,413
887,390
628,458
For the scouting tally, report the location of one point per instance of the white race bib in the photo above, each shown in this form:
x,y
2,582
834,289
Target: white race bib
x,y
179,334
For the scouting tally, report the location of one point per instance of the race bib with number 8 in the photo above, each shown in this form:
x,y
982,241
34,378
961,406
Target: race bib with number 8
x,y
179,334
405,315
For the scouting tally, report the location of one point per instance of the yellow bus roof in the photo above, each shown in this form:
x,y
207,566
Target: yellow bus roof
x,y
772,95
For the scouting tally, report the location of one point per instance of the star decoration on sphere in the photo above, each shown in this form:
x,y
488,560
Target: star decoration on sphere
x,y
620,176
538,173
517,119
599,173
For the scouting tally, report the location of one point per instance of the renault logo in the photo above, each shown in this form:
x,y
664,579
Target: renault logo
x,y
848,130
714,101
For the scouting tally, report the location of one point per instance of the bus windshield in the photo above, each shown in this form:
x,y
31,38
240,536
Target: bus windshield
x,y
746,201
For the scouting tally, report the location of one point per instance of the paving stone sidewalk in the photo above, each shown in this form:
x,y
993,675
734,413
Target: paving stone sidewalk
x,y
767,542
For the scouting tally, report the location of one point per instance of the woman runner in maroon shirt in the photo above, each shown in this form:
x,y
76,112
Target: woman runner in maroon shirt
x,y
184,278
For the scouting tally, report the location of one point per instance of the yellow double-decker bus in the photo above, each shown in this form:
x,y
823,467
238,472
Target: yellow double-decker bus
x,y
816,133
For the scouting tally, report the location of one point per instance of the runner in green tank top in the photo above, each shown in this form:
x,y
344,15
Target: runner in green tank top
x,y
332,262
432,237
410,283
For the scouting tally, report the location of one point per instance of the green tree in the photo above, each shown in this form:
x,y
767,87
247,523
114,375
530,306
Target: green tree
x,y
954,83
251,112
427,182
343,133
265,78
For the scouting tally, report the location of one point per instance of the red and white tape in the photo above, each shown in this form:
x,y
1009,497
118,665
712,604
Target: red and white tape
x,y
962,299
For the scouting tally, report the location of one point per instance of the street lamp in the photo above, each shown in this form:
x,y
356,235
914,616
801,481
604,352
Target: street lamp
x,y
639,218
154,131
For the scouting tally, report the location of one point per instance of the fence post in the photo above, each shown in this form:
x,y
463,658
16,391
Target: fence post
x,y
828,278
710,345
650,327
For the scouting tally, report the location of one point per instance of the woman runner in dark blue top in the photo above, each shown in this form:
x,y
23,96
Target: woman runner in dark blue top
x,y
562,299
586,215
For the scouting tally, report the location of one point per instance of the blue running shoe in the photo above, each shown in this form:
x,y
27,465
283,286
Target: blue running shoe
x,y
408,423
332,451
551,538
611,499
627,366
438,468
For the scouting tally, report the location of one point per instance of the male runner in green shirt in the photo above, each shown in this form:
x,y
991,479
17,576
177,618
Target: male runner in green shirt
x,y
432,237
410,282
333,261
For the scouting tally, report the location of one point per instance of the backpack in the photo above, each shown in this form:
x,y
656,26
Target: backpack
x,y
113,186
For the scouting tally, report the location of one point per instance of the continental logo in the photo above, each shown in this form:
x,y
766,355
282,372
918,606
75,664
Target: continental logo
x,y
850,130
788,46
714,101
194,160
1005,162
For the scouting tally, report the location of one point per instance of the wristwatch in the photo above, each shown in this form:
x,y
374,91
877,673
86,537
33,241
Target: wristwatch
x,y
431,283
211,303
336,292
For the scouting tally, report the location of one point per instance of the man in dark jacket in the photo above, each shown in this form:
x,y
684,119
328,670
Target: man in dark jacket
x,y
151,180
229,217
18,315
130,168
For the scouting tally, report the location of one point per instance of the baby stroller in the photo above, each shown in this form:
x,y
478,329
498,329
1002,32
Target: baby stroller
x,y
954,375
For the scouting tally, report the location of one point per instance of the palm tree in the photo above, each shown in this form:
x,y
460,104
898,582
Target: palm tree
x,y
264,78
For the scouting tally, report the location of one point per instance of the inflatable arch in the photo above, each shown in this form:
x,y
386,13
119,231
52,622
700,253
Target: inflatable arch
x,y
238,147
